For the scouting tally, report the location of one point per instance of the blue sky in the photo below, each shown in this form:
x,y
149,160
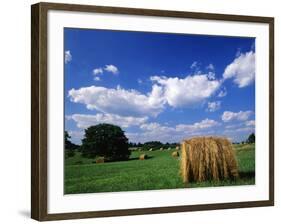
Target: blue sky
x,y
159,86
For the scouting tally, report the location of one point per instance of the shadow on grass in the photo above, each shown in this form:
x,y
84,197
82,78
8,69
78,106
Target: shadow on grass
x,y
246,175
137,158
114,161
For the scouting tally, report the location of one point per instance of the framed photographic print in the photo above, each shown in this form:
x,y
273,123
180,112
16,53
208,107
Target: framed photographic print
x,y
138,111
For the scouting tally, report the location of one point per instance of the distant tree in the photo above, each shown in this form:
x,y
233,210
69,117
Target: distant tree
x,y
69,147
152,144
132,144
157,145
105,140
251,138
67,143
166,145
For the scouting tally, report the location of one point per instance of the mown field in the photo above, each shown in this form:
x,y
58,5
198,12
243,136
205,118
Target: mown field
x,y
159,171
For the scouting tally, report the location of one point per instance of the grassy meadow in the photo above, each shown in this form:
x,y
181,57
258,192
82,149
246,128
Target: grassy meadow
x,y
159,171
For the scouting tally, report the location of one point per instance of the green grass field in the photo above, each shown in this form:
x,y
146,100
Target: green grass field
x,y
159,171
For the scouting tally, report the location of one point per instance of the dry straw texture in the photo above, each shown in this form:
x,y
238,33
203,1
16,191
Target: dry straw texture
x,y
207,158
143,157
175,154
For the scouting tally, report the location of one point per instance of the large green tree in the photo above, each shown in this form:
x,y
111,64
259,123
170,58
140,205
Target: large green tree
x,y
105,140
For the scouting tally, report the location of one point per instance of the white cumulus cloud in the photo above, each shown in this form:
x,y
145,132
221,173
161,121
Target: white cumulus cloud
x,y
194,65
250,123
240,116
97,78
86,120
210,67
242,69
214,106
190,91
198,126
119,101
97,71
187,91
67,57
156,127
159,132
240,129
111,68
211,75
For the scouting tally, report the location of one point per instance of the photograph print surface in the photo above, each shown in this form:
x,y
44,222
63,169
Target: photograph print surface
x,y
151,111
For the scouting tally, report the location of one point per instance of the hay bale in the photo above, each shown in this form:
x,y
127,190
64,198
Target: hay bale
x,y
177,148
207,158
175,154
100,160
150,149
143,157
161,149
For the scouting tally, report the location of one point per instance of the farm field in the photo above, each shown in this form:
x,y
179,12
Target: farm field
x,y
159,171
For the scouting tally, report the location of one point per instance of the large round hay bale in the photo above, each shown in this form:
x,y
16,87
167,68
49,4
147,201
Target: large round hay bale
x,y
150,149
175,154
177,148
143,157
207,158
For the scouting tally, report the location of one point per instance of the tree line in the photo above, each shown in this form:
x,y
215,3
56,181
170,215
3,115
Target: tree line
x,y
110,142
153,145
